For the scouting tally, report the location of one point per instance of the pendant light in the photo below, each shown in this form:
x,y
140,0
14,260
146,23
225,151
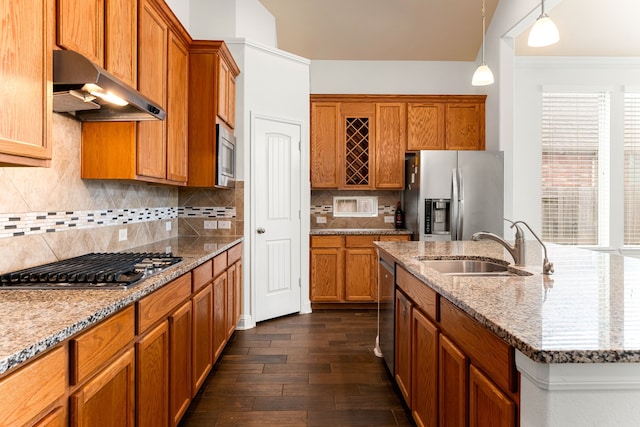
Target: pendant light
x,y
544,32
483,75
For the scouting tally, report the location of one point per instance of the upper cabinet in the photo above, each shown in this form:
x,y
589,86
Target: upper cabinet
x,y
25,82
325,144
150,151
104,31
446,123
212,76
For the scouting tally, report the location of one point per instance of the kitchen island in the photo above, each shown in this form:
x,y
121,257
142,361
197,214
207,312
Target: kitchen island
x,y
576,333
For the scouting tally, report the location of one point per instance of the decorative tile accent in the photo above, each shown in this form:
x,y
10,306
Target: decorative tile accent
x,y
22,224
206,212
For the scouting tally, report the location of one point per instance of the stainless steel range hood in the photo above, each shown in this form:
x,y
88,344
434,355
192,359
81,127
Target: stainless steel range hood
x,y
88,92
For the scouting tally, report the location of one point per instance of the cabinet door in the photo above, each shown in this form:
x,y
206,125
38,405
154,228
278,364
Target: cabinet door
x,y
107,400
325,137
152,377
81,28
202,336
152,66
358,134
464,128
453,384
223,90
55,418
488,406
327,276
25,82
231,101
121,40
237,295
180,362
177,124
403,345
219,315
425,126
231,289
361,281
424,369
391,140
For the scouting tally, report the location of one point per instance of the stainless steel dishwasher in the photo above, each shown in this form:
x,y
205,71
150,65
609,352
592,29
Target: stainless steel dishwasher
x,y
385,342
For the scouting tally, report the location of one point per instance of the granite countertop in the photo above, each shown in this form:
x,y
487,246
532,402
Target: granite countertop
x,y
32,321
356,231
588,311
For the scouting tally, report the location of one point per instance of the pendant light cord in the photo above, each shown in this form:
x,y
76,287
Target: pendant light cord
x,y
483,31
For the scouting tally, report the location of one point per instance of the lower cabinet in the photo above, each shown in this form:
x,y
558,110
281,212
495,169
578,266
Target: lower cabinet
x,y
180,362
107,400
219,315
344,269
152,377
202,336
450,370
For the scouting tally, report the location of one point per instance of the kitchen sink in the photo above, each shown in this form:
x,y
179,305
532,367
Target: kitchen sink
x,y
470,267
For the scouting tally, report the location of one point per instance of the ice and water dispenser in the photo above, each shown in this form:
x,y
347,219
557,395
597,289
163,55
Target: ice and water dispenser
x,y
437,214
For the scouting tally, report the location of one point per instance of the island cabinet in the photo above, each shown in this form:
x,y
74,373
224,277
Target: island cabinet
x,y
344,269
446,123
450,369
212,95
25,90
104,31
152,151
357,144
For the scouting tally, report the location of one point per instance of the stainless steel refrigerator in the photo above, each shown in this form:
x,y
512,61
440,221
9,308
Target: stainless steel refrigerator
x,y
450,195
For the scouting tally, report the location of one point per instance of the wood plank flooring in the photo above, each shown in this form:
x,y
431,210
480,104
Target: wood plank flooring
x,y
301,370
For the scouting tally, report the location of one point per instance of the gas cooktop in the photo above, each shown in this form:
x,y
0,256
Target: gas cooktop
x,y
120,270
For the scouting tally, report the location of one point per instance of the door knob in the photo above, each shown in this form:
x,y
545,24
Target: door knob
x,y
260,230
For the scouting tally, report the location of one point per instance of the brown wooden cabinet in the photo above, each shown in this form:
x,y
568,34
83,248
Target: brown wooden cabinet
x,y
447,123
212,74
390,144
344,269
180,342
453,384
150,151
202,335
325,144
403,310
219,315
488,405
81,28
424,370
107,399
25,90
152,377
30,390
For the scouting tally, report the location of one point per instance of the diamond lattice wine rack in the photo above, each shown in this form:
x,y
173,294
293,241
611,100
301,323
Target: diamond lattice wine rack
x,y
357,151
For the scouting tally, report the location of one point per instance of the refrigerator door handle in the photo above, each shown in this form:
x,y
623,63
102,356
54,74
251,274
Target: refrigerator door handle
x,y
460,205
454,205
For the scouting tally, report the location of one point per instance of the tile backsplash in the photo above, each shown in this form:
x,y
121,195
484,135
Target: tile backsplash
x,y
322,207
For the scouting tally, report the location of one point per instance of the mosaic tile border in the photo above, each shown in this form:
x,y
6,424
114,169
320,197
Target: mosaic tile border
x,y
206,212
328,209
23,224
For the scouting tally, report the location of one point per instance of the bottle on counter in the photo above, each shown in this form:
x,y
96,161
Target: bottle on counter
x,y
399,218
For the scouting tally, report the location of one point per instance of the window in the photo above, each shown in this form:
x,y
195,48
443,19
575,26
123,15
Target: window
x,y
575,168
632,169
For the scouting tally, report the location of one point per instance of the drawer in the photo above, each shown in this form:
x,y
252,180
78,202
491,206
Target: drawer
x,y
395,238
327,241
234,254
219,264
92,349
159,304
360,241
422,295
201,275
29,390
487,351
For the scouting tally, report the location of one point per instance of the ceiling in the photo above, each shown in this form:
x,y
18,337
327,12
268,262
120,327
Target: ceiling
x,y
442,30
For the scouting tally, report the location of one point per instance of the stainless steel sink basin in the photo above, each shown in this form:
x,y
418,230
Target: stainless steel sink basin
x,y
470,267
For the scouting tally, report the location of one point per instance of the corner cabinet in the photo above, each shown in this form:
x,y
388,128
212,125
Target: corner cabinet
x,y
212,100
25,91
150,151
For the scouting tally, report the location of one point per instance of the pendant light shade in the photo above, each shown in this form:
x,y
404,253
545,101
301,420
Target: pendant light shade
x,y
483,75
544,32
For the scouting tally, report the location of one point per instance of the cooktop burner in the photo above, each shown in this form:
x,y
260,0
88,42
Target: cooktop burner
x,y
95,270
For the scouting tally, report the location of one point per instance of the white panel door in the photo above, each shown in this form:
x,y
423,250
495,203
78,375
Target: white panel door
x,y
276,172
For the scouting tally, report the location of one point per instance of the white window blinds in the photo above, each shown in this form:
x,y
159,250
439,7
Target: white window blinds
x,y
575,138
632,169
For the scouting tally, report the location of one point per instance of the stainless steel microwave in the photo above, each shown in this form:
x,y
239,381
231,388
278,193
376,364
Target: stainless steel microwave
x,y
225,157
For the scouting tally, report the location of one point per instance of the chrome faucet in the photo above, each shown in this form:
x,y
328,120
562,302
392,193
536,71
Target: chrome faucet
x,y
547,266
516,251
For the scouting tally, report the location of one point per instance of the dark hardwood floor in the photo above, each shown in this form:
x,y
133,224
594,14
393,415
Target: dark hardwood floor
x,y
301,370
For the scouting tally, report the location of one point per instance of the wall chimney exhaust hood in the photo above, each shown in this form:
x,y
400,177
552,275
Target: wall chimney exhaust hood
x,y
91,94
